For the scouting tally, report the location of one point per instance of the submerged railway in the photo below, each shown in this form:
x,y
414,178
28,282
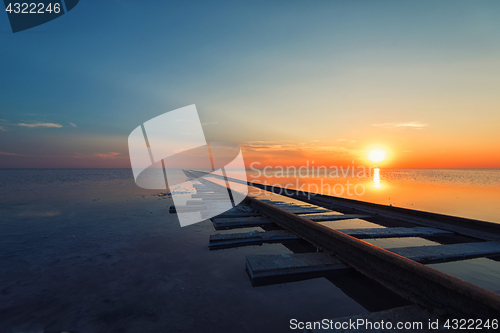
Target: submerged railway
x,y
328,237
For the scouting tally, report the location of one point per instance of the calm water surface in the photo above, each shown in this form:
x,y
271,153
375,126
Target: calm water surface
x,y
471,193
54,199
89,251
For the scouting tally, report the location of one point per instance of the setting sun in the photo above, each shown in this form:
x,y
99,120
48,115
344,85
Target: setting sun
x,y
376,155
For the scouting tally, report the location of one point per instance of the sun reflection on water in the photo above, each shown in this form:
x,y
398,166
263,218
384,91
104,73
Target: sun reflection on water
x,y
376,178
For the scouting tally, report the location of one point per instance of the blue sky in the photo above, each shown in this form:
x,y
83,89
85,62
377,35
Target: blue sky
x,y
280,73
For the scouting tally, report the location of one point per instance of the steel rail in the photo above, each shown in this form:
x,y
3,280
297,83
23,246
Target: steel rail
x,y
469,227
420,284
428,287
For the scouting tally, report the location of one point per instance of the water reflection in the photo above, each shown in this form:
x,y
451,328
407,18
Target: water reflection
x,y
472,193
376,178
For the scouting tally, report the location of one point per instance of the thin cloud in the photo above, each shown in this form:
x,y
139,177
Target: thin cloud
x,y
9,154
3,123
346,140
72,124
297,148
257,147
108,155
413,125
33,125
210,123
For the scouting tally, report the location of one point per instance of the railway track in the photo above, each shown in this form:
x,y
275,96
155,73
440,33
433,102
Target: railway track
x,y
328,236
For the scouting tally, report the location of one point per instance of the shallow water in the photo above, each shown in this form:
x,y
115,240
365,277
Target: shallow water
x,y
470,193
456,184
89,251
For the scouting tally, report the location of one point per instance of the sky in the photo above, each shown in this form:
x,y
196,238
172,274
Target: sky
x,y
288,81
